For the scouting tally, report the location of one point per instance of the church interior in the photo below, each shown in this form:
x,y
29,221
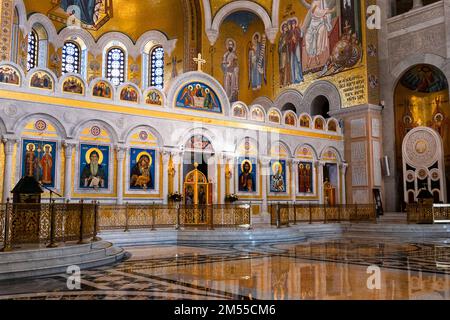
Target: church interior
x,y
224,149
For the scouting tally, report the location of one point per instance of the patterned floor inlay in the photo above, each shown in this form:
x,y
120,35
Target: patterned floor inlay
x,y
325,269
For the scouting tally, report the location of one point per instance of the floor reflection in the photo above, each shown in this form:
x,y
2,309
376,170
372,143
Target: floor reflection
x,y
334,269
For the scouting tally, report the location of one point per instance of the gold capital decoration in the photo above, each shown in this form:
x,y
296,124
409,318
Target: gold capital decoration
x,y
200,62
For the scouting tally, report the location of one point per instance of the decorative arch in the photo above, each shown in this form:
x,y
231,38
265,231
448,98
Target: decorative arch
x,y
274,116
67,76
22,122
22,12
290,118
77,35
17,68
112,39
239,110
254,113
264,102
328,153
50,73
282,154
306,151
290,96
191,77
47,24
333,125
305,121
188,134
76,131
97,81
148,100
319,123
415,59
146,128
241,5
119,96
157,38
247,146
322,88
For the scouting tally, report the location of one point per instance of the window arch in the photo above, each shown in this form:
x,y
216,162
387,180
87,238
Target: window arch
x,y
33,50
115,65
71,58
37,47
156,74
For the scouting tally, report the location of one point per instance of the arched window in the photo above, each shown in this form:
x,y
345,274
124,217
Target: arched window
x,y
37,47
71,57
157,68
115,66
33,50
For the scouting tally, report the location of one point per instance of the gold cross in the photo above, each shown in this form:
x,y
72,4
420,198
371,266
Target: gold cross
x,y
200,62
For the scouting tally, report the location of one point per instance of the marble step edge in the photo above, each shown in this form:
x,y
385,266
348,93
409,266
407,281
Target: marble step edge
x,y
53,253
67,260
60,269
116,240
186,242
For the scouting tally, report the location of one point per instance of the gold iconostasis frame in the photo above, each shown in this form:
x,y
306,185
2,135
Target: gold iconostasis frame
x,y
196,180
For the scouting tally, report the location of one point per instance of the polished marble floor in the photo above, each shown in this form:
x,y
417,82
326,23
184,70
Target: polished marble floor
x,y
332,269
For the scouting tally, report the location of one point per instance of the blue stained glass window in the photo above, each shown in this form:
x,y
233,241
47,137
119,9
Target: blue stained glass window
x,y
157,68
115,66
71,58
32,57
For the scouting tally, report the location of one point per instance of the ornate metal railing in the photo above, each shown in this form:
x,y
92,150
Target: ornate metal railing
x,y
51,223
131,216
428,213
283,214
47,223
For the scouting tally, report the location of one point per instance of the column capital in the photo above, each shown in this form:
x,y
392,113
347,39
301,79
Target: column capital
x,y
318,164
121,151
9,145
227,156
69,148
265,161
166,157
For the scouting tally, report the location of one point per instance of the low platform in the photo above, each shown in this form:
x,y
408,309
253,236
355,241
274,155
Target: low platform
x,y
270,234
39,262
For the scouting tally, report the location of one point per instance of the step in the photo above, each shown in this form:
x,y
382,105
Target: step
x,y
51,252
100,253
217,236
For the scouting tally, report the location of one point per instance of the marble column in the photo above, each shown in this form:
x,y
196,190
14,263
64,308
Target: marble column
x,y
265,172
7,178
319,166
177,179
121,152
68,156
166,175
343,170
